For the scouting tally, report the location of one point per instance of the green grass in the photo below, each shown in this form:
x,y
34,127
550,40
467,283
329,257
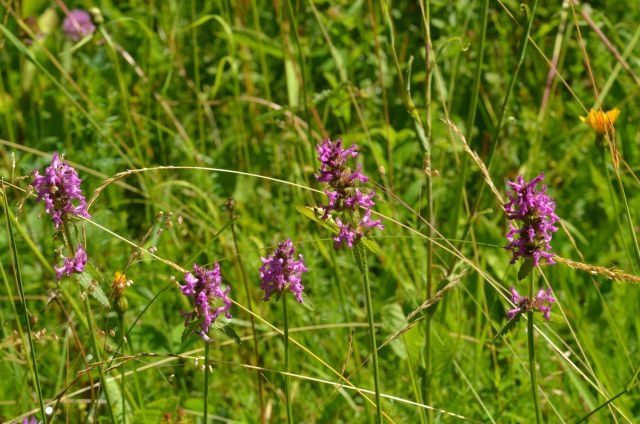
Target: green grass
x,y
209,101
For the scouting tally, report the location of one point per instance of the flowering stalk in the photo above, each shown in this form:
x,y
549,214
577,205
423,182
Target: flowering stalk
x,y
346,199
92,332
123,370
281,271
287,389
535,211
360,253
204,287
119,284
532,357
206,381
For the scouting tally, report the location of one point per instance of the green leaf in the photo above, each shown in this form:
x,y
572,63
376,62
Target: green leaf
x,y
307,303
372,246
89,280
555,318
314,214
231,333
510,325
525,269
189,331
395,319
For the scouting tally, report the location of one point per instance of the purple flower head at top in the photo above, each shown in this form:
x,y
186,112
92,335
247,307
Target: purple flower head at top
x,y
58,188
541,303
73,265
205,287
536,213
78,24
345,197
282,271
343,192
31,420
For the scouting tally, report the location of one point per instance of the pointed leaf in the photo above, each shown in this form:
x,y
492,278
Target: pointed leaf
x,y
90,282
314,214
525,269
231,333
510,325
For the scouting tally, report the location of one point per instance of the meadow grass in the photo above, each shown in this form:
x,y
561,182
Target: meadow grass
x,y
193,126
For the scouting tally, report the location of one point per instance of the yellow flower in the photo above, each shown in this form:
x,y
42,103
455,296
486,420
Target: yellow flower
x,y
601,121
119,284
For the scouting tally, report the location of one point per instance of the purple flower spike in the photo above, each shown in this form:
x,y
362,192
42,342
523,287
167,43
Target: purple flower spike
x,y
31,420
205,287
282,271
58,188
541,303
536,212
78,24
345,197
73,265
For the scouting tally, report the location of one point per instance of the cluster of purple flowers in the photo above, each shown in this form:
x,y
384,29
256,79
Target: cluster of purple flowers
x,y
58,188
541,302
281,271
78,24
205,287
344,194
72,265
536,213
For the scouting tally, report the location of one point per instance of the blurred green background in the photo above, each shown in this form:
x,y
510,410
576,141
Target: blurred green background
x,y
252,86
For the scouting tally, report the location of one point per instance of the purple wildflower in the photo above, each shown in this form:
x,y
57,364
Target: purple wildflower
x,y
541,302
58,188
281,271
343,193
204,288
73,265
536,211
78,24
31,420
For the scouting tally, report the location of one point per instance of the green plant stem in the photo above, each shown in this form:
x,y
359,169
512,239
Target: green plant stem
x,y
360,253
626,390
532,356
612,194
94,346
206,381
427,392
122,369
287,392
632,231
91,328
18,276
